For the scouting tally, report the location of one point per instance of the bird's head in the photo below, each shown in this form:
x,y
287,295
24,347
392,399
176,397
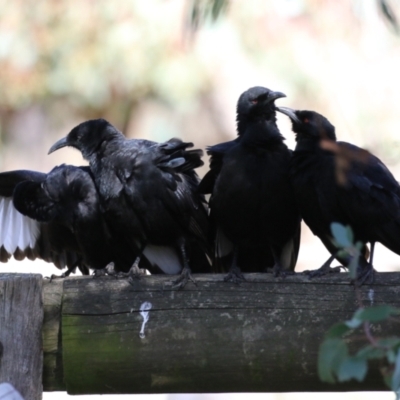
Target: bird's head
x,y
256,102
87,137
309,125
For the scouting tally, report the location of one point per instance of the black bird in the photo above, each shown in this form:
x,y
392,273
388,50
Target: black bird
x,y
252,209
55,217
367,196
149,198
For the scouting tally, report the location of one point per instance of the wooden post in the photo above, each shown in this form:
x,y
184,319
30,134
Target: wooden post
x,y
21,317
53,377
261,336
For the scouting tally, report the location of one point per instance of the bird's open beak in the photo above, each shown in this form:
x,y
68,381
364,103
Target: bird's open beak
x,y
290,113
58,145
275,95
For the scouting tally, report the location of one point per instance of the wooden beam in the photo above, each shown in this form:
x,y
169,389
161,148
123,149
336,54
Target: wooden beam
x,y
261,336
21,317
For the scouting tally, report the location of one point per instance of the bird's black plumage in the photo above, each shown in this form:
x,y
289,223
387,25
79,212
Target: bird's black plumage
x,y
252,207
368,200
148,193
55,217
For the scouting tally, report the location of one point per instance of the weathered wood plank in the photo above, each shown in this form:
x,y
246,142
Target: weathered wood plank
x,y
217,337
52,358
21,317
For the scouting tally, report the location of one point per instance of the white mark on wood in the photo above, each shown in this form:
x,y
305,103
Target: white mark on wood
x,y
225,314
144,312
371,295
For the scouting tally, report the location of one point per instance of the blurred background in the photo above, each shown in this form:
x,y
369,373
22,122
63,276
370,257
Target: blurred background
x,y
163,68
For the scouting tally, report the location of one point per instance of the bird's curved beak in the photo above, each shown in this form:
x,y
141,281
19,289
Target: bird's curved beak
x,y
290,113
58,145
275,95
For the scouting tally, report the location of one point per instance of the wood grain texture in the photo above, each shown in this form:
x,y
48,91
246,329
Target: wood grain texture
x,y
262,336
21,317
52,358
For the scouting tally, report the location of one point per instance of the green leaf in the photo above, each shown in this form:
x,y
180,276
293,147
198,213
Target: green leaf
x,y
353,267
353,323
376,313
332,353
396,374
337,330
352,368
391,356
359,246
392,342
371,352
349,233
340,234
388,380
342,253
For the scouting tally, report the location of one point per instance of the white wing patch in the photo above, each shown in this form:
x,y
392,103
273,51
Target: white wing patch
x,y
166,258
223,245
286,257
16,230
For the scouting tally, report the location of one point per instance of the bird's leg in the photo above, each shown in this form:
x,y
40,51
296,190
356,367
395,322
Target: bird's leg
x,y
278,270
325,269
371,253
235,274
185,275
67,273
366,275
135,272
61,276
365,270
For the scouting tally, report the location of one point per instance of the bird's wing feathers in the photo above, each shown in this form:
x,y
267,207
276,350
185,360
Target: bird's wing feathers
x,y
24,237
31,199
16,230
371,193
216,154
8,180
26,226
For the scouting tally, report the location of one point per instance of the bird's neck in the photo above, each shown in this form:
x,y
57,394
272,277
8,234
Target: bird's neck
x,y
260,132
308,145
101,148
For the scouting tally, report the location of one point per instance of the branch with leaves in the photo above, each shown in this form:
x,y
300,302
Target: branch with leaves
x,y
335,361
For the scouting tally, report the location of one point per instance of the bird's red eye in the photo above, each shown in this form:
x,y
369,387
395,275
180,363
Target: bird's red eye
x,y
254,101
306,121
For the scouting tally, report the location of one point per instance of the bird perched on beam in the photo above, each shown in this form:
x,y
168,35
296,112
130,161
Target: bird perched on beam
x,y
362,193
149,198
252,207
55,217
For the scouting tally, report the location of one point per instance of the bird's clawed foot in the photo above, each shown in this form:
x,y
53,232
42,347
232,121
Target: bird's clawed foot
x,y
135,272
235,275
183,279
62,276
108,270
325,269
279,272
315,273
65,274
366,275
